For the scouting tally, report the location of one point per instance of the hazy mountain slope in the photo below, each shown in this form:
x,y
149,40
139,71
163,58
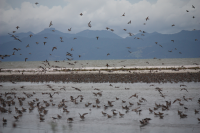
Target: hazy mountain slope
x,y
87,45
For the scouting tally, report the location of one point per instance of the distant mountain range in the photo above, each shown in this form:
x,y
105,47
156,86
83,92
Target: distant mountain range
x,y
185,44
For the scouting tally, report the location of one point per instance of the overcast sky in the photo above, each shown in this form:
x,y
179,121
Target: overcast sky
x,y
64,14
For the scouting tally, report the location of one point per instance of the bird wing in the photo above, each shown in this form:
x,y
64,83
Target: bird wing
x,y
85,114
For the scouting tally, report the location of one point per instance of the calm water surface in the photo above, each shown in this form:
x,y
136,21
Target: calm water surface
x,y
102,63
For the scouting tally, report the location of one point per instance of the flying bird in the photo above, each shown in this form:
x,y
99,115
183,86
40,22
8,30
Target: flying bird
x,y
54,48
147,18
193,6
36,3
50,24
27,46
129,22
26,59
89,25
69,29
108,54
83,115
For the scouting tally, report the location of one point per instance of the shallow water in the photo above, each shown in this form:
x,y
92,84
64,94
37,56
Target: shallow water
x,y
102,63
94,121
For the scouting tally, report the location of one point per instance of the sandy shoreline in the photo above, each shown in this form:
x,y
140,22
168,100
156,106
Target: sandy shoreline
x,y
103,70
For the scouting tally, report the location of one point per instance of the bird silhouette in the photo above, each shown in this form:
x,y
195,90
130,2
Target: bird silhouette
x,y
54,48
50,24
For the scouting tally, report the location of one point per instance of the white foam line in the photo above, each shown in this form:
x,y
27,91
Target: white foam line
x,y
98,68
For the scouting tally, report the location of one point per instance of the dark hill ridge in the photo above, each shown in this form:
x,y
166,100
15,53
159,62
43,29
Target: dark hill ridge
x,y
90,48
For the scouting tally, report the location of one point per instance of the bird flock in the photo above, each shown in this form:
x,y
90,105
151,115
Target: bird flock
x,y
134,103
98,37
17,103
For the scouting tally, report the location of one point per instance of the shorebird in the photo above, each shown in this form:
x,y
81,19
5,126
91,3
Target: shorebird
x,y
150,110
50,24
107,28
70,119
147,18
26,59
44,43
69,29
16,117
36,3
30,35
81,14
196,112
27,46
129,22
121,115
59,117
109,116
184,89
89,25
17,27
4,120
97,37
193,6
83,116
54,48
187,11
173,25
123,14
